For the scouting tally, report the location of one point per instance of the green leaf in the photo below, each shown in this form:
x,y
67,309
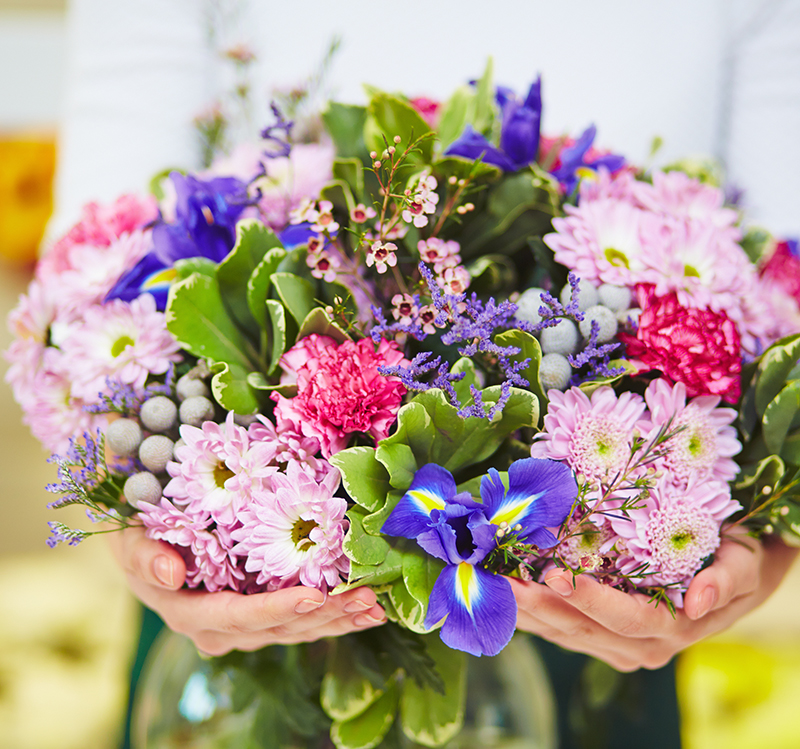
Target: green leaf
x,y
186,266
773,369
389,570
462,387
755,242
530,350
365,479
318,321
790,452
345,692
257,381
749,485
253,241
345,125
590,386
477,172
231,388
360,546
350,171
410,612
367,730
374,521
197,317
259,282
420,572
779,414
393,116
296,293
429,717
277,317
454,116
483,115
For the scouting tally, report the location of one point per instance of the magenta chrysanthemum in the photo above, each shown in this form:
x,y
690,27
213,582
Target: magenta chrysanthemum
x,y
206,548
706,443
219,469
592,436
291,445
339,390
675,531
294,533
124,340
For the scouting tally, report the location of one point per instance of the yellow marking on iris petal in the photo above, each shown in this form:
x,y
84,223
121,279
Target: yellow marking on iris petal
x,y
160,278
466,585
512,511
426,500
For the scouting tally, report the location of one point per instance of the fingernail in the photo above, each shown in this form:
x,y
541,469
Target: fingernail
x,y
163,570
357,605
365,620
707,600
306,605
560,585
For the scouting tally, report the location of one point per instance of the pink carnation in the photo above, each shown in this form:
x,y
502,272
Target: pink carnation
x,y
294,533
339,390
783,269
706,443
124,340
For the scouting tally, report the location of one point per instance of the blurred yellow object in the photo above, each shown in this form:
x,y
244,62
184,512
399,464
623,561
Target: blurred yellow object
x,y
735,695
27,166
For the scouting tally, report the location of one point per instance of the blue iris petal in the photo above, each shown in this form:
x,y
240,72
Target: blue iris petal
x,y
472,145
480,608
540,494
431,489
148,276
574,157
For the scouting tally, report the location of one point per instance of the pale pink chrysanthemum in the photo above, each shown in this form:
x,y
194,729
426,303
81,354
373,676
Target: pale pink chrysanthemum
x,y
99,226
291,445
706,443
219,469
124,340
592,436
768,313
608,241
674,532
601,185
206,549
94,271
294,533
678,195
339,390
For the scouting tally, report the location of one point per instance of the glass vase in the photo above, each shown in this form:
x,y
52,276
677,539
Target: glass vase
x,y
183,702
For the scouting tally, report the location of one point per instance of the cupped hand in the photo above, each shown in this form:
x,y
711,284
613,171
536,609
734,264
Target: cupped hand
x,y
223,621
629,633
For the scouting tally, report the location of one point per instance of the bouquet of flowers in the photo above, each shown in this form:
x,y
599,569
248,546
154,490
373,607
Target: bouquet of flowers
x,y
434,350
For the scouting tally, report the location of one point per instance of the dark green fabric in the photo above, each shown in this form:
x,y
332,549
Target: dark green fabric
x,y
600,708
150,626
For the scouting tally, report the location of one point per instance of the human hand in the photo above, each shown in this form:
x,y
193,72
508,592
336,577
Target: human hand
x,y
223,621
626,631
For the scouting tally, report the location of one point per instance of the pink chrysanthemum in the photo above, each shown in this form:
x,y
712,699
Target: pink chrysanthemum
x,y
675,531
698,347
294,534
291,446
207,550
339,390
706,443
608,241
124,340
219,469
100,226
592,436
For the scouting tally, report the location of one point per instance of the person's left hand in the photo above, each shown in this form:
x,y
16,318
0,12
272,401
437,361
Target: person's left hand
x,y
626,631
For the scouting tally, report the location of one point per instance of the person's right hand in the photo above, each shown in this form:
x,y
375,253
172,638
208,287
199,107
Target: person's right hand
x,y
223,621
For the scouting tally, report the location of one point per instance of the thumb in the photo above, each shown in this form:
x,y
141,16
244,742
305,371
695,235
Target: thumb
x,y
153,562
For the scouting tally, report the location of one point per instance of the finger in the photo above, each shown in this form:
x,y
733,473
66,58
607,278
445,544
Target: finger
x,y
734,573
623,613
154,562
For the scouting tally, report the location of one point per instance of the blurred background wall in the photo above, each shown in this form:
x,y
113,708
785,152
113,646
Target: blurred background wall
x,y
66,621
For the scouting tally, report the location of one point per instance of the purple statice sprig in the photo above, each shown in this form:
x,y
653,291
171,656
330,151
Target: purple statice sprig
x,y
278,135
552,311
84,478
471,322
596,357
124,399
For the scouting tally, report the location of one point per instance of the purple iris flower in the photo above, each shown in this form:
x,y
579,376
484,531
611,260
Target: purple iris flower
x,y
206,213
574,158
519,132
478,606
